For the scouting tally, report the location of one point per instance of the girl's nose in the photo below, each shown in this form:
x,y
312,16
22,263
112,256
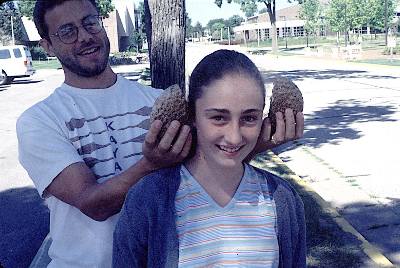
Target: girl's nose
x,y
233,134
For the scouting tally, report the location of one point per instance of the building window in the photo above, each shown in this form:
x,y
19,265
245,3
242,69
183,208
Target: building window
x,y
286,32
298,31
266,34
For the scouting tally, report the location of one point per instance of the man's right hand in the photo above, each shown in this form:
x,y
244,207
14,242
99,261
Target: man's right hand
x,y
167,151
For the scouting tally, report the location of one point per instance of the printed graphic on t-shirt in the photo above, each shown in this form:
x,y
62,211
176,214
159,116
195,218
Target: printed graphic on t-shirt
x,y
113,135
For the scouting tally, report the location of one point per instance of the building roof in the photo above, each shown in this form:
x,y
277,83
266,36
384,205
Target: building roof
x,y
288,13
31,34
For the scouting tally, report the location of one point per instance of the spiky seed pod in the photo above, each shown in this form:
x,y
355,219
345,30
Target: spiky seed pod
x,y
285,94
170,105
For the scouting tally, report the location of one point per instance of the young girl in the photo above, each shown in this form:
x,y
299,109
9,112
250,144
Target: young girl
x,y
215,209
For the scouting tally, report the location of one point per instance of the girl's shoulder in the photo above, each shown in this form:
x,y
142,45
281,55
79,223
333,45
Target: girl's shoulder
x,y
156,184
274,181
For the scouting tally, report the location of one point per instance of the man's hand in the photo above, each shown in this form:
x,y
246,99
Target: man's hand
x,y
288,127
169,150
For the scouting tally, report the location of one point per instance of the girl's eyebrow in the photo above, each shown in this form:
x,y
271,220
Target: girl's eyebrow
x,y
249,111
217,110
227,111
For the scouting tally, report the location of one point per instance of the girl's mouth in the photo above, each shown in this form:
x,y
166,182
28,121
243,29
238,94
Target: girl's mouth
x,y
229,149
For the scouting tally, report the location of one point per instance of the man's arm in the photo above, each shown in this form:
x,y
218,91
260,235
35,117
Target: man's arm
x,y
77,185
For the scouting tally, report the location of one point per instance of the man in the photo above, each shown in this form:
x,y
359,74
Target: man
x,y
87,143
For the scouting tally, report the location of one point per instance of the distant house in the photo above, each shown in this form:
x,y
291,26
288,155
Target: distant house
x,y
288,23
259,27
120,24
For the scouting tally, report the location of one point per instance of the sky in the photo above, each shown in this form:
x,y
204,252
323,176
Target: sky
x,y
204,10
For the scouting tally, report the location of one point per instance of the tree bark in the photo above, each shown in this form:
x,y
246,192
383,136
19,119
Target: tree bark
x,y
272,17
165,30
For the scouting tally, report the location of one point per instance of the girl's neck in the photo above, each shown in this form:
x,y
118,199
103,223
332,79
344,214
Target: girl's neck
x,y
220,183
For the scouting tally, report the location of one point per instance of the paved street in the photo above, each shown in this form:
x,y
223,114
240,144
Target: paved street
x,y
348,154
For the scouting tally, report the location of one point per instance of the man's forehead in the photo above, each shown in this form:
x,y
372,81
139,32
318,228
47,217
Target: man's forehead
x,y
73,12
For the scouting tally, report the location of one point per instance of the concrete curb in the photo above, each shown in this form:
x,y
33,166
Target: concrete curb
x,y
371,251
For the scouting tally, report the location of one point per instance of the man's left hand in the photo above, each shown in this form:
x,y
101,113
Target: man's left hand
x,y
288,127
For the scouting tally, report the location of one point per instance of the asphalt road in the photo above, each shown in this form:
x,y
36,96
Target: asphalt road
x,y
23,216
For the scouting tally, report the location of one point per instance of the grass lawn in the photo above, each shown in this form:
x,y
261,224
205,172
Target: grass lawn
x,y
46,64
394,62
327,244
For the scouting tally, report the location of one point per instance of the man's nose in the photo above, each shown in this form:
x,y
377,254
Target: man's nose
x,y
83,35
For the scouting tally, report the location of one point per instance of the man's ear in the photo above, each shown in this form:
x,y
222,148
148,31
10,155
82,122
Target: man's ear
x,y
47,46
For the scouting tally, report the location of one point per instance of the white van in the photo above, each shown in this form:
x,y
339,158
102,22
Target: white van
x,y
16,61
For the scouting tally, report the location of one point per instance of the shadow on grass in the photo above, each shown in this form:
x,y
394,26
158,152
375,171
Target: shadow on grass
x,y
299,75
141,76
327,244
24,222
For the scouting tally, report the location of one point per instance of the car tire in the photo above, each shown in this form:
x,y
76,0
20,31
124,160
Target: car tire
x,y
4,79
137,60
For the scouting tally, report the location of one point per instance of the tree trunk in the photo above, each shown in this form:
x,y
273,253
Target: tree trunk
x,y
272,18
165,30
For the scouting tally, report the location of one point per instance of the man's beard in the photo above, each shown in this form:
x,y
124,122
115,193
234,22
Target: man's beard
x,y
85,71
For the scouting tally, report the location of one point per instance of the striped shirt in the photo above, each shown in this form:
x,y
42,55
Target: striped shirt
x,y
243,233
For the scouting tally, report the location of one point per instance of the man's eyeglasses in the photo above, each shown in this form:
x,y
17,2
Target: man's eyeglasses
x,y
68,33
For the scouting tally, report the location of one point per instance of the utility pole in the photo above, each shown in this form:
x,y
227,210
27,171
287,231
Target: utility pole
x,y
285,30
386,23
229,36
12,31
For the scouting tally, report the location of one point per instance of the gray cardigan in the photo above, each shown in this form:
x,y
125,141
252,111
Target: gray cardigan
x,y
146,235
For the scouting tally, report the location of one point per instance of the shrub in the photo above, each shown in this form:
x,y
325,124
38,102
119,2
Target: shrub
x,y
38,53
396,51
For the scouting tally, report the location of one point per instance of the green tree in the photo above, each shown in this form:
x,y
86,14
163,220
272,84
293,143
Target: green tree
x,y
376,13
234,20
8,11
311,11
105,7
26,7
346,15
271,9
263,10
141,19
198,28
337,16
136,41
189,27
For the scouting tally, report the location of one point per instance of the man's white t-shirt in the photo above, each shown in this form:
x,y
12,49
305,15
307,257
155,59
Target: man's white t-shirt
x,y
105,129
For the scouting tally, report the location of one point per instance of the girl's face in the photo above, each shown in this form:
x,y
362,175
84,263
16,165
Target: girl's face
x,y
228,120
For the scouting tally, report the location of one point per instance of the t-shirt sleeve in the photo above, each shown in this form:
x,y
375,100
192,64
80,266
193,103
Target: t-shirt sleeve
x,y
44,151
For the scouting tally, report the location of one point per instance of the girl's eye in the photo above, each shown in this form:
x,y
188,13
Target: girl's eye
x,y
250,118
217,118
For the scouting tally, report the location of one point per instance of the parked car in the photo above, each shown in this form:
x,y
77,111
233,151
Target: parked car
x,y
16,62
2,77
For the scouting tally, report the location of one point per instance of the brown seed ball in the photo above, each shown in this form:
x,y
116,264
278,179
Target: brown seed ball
x,y
285,94
170,105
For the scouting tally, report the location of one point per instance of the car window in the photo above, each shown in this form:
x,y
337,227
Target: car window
x,y
27,52
5,54
17,53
